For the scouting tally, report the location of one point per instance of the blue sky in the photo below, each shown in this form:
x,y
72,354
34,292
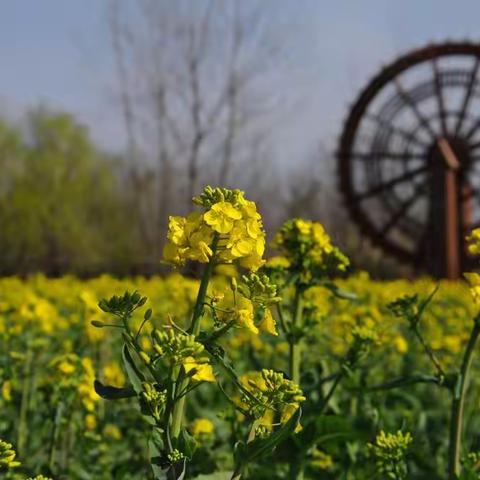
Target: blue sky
x,y
57,52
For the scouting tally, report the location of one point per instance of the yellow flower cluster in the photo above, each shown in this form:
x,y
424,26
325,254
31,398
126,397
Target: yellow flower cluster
x,y
178,348
229,228
7,456
474,282
78,374
391,445
307,250
201,427
247,303
154,399
473,241
273,395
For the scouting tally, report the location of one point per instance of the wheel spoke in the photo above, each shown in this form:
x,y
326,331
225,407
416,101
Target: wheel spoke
x,y
471,132
391,155
404,208
439,95
409,136
391,183
474,146
467,97
413,107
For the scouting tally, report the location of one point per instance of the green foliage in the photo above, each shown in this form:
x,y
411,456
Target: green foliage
x,y
60,206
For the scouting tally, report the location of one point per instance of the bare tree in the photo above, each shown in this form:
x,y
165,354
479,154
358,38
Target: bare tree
x,y
190,86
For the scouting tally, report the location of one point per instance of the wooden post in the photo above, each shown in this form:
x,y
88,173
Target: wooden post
x,y
451,202
452,244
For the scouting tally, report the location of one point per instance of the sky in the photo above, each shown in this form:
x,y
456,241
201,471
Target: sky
x,y
58,53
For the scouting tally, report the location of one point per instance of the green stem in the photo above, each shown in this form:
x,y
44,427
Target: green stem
x,y
429,352
177,415
182,381
330,393
295,343
295,361
55,435
202,291
280,317
458,404
22,423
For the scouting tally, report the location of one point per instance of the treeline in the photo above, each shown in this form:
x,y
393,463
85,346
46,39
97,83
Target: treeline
x,y
62,204
68,207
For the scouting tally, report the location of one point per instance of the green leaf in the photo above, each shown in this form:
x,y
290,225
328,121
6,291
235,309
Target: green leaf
x,y
226,366
113,393
135,376
339,293
426,301
155,447
177,471
404,381
333,427
187,444
155,443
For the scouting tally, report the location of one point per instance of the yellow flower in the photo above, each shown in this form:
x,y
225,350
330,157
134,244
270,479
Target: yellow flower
x,y
321,237
201,426
400,344
113,374
240,244
321,460
474,281
112,431
201,253
221,217
287,413
90,300
188,239
176,230
303,226
474,242
278,262
7,391
245,314
86,391
90,422
172,254
66,367
203,371
252,262
268,324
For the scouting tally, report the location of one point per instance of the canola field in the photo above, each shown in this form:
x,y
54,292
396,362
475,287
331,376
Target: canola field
x,y
285,367
51,355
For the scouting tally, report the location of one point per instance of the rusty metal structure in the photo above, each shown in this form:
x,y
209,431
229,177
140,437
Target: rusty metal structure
x,y
409,157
